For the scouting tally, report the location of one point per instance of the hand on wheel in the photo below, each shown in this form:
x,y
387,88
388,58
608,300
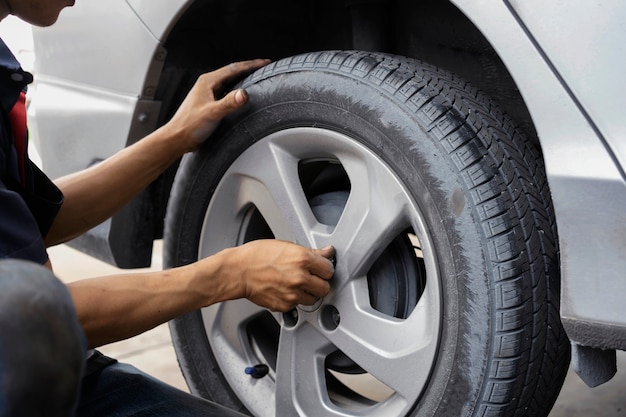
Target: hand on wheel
x,y
280,275
201,111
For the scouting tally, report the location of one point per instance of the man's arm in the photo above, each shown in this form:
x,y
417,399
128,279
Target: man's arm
x,y
273,274
95,194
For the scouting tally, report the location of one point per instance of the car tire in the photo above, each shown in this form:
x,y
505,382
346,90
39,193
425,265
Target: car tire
x,y
446,292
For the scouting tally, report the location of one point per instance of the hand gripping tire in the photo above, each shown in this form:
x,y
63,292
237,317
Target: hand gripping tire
x,y
445,298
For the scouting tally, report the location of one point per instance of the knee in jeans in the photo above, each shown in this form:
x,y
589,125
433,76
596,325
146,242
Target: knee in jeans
x,y
26,280
34,302
42,346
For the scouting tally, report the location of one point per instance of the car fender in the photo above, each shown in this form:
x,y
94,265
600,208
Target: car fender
x,y
581,145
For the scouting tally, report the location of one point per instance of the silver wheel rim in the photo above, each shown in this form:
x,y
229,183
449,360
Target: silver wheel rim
x,y
389,355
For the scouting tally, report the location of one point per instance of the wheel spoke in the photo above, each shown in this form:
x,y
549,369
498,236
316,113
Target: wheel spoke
x,y
385,346
228,320
376,212
227,333
300,378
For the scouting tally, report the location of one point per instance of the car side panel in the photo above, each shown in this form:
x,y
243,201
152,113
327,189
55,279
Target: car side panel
x,y
83,111
585,42
92,45
73,127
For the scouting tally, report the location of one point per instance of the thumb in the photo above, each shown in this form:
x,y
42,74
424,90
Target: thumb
x,y
232,101
240,96
220,109
326,252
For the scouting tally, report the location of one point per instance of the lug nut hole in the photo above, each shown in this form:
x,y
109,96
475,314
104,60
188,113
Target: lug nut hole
x,y
330,317
290,318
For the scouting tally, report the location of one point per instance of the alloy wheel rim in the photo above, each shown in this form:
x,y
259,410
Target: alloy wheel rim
x,y
355,351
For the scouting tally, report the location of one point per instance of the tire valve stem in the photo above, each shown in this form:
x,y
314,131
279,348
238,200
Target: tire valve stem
x,y
257,371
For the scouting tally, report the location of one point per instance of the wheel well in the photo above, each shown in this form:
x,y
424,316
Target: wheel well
x,y
213,33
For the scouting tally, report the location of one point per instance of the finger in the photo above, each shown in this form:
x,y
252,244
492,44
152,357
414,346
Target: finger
x,y
326,251
233,71
323,266
308,299
316,286
237,69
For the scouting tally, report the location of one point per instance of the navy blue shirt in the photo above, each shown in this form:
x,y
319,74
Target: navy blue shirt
x,y
29,201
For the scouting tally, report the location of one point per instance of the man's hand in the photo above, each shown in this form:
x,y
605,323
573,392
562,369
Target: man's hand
x,y
201,111
278,275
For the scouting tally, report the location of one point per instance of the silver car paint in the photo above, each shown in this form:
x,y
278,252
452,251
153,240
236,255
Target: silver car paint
x,y
96,102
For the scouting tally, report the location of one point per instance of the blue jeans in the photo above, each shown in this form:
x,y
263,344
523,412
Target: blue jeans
x,y
42,358
122,390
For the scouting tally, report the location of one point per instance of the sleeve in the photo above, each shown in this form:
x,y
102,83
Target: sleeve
x,y
20,233
20,236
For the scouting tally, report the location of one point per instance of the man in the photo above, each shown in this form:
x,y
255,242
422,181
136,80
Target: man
x,y
47,328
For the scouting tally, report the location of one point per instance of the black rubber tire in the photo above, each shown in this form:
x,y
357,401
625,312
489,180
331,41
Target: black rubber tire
x,y
481,187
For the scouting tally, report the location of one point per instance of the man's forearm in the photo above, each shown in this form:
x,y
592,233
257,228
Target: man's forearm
x,y
136,303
